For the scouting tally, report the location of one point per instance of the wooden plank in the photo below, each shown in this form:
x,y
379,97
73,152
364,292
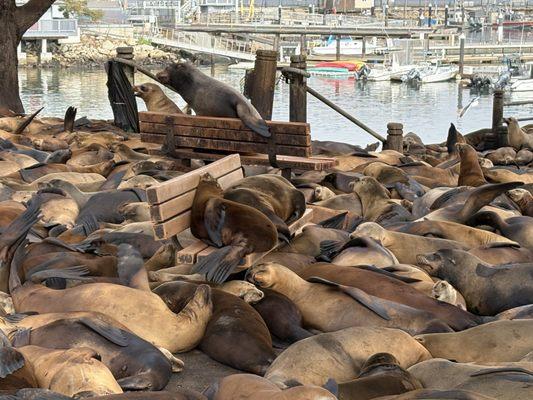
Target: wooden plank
x,y
224,134
227,145
173,226
303,220
177,205
188,254
184,183
311,163
292,128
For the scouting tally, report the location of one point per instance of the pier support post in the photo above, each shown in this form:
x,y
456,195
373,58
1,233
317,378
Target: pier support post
x,y
363,46
21,55
264,82
394,137
298,91
45,55
498,130
126,53
338,50
303,45
446,15
461,54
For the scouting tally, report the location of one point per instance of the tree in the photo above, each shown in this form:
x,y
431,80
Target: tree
x,y
14,21
78,8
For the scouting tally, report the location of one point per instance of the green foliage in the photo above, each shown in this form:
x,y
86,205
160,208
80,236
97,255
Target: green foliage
x,y
78,8
144,41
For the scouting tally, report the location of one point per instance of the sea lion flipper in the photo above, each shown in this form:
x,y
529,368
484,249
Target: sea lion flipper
x,y
130,267
10,361
218,265
75,273
70,117
113,181
388,273
214,216
252,119
335,222
488,371
330,248
445,197
17,317
370,302
108,331
21,337
26,122
483,195
141,381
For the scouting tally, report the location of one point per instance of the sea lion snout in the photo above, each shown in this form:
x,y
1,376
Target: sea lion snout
x,y
260,275
429,262
163,76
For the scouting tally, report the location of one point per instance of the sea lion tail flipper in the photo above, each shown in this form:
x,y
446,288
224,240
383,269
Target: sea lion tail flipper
x,y
445,197
142,381
113,181
75,273
26,122
252,119
10,361
20,337
70,117
108,331
370,302
488,371
330,248
404,279
214,218
130,267
335,222
218,265
17,317
483,195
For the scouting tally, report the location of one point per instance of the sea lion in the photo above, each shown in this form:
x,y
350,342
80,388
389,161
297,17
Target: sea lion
x,y
282,317
502,156
328,307
345,202
385,174
381,375
245,290
443,291
237,228
155,99
502,175
83,181
524,157
518,138
487,289
518,229
470,173
252,387
498,341
403,245
210,97
506,381
389,286
233,323
70,372
524,199
135,363
436,394
340,355
361,251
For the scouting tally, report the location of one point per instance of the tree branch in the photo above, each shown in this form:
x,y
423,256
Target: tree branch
x,y
29,13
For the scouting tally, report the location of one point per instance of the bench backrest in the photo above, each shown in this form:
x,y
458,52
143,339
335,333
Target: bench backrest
x,y
171,201
225,134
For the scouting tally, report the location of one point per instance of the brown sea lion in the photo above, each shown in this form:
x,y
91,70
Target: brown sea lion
x,y
155,99
518,138
237,228
403,245
70,372
506,381
499,341
234,323
340,355
502,175
381,375
470,173
346,202
524,199
502,156
360,251
436,394
391,287
251,387
518,229
524,157
329,307
210,97
385,174
487,289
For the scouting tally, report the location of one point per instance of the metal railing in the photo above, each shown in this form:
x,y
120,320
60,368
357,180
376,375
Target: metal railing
x,y
52,28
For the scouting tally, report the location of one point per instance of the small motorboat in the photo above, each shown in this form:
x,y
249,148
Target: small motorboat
x,y
330,71
349,65
389,73
522,85
431,74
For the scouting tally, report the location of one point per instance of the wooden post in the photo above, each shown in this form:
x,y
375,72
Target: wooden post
x,y
212,55
363,47
430,9
498,130
303,45
298,91
446,15
394,137
461,54
338,51
277,40
126,53
264,82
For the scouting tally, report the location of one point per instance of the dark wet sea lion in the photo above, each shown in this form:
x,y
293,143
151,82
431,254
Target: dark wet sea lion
x,y
518,229
210,97
282,317
309,241
381,375
235,335
358,251
327,306
470,173
487,289
155,99
435,394
135,363
388,286
37,171
236,228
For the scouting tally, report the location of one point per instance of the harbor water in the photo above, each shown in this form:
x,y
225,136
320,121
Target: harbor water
x,y
426,109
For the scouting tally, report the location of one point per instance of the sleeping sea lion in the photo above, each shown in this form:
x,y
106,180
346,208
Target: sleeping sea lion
x,y
210,97
155,99
518,229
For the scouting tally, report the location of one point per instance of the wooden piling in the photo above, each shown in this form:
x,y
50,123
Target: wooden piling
x,y
394,137
126,53
338,50
264,82
461,54
298,91
498,130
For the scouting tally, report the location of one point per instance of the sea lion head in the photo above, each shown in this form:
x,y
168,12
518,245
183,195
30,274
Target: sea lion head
x,y
146,90
262,275
369,230
245,290
431,263
524,156
177,75
369,186
519,195
323,193
379,360
444,291
208,178
485,163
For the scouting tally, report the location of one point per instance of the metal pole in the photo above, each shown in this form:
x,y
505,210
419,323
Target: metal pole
x,y
462,39
446,15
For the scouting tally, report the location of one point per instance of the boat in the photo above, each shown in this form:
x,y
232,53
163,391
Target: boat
x,y
330,71
388,73
348,47
349,65
522,85
431,74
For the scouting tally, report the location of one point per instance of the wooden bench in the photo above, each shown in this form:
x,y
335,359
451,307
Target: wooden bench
x,y
210,138
171,202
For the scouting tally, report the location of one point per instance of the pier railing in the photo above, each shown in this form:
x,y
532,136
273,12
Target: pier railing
x,y
52,28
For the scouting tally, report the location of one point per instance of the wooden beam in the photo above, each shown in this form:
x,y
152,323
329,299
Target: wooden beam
x,y
188,254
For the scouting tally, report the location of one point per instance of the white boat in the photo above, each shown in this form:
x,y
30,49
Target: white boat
x,y
522,85
388,73
348,47
431,74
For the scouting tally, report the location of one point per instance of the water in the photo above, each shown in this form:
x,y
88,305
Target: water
x,y
427,110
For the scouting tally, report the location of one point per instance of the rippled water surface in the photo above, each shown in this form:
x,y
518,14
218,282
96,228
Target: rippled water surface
x,y
426,110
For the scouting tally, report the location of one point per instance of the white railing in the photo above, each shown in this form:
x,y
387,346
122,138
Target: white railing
x,y
53,28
